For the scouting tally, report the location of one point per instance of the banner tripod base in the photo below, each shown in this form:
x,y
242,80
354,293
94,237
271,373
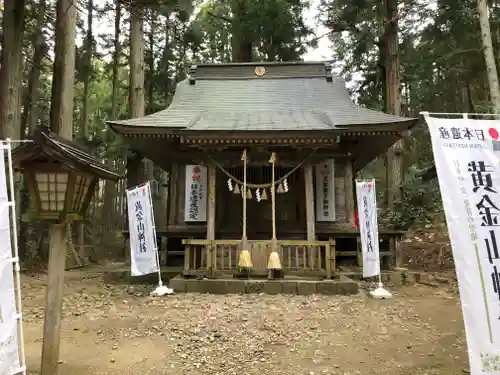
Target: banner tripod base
x,y
162,290
380,292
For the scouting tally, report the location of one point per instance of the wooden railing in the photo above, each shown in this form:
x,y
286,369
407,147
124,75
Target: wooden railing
x,y
295,256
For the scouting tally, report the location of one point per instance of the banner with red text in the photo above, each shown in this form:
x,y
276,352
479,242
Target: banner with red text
x,y
195,209
467,164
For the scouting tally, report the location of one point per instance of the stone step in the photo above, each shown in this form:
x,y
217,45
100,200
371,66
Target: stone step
x,y
341,286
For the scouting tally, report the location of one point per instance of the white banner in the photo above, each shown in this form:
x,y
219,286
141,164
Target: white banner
x,y
195,208
368,226
142,233
9,340
469,178
325,191
9,344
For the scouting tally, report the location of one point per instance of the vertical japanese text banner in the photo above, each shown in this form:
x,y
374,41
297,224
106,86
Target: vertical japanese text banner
x,y
196,193
142,233
9,344
325,191
467,164
368,226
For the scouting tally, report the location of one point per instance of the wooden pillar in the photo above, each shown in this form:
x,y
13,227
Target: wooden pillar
x,y
349,191
173,195
310,215
54,299
211,205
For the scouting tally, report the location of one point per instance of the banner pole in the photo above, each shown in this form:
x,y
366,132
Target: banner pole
x,y
160,282
161,289
17,269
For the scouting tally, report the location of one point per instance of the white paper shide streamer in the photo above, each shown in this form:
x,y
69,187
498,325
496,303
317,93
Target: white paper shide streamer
x,y
11,332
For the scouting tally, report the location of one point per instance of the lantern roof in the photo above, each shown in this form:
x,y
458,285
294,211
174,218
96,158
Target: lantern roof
x,y
48,147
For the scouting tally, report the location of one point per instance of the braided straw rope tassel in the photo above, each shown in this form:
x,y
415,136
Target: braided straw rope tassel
x,y
245,260
274,262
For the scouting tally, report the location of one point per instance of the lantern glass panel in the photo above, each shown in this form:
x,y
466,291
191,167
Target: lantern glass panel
x,y
52,190
81,188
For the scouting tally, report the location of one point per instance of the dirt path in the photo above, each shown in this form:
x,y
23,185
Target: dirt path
x,y
114,329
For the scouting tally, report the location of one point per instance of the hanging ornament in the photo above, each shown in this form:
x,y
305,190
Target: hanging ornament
x,y
230,185
264,195
257,195
249,194
280,189
285,186
236,189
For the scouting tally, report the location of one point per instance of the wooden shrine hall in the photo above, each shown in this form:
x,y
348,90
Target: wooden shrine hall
x,y
234,136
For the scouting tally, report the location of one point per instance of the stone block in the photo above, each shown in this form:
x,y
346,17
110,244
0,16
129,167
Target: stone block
x,y
213,286
273,287
288,287
255,286
178,284
348,288
192,286
305,288
328,287
236,286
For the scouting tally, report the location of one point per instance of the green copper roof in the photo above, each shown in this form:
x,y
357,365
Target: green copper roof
x,y
288,96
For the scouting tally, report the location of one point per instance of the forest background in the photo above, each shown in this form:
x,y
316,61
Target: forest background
x,y
122,59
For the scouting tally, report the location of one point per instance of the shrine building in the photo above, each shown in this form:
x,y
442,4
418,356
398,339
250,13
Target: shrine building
x,y
295,116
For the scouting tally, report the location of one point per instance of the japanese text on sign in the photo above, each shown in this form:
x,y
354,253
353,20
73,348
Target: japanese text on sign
x,y
196,200
369,242
487,207
141,237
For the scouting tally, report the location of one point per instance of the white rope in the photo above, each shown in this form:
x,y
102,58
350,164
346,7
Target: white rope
x,y
273,195
261,186
244,192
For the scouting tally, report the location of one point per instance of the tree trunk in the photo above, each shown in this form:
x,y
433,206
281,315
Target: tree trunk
x,y
87,70
165,63
151,63
116,61
489,56
392,100
61,109
30,113
11,68
136,62
241,46
136,90
110,186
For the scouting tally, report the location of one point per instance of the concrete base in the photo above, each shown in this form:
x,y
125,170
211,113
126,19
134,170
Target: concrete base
x,y
342,286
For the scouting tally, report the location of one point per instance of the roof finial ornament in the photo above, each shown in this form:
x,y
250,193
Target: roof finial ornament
x,y
328,72
260,71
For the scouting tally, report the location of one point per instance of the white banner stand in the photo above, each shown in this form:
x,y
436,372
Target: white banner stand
x,y
161,289
12,357
368,230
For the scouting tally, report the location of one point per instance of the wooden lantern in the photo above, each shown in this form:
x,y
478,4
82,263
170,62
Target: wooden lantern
x,y
55,190
61,178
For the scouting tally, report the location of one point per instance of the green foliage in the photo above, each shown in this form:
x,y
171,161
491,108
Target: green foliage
x,y
276,29
419,206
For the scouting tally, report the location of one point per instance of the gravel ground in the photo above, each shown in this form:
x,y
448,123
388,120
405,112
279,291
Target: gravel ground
x,y
119,329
